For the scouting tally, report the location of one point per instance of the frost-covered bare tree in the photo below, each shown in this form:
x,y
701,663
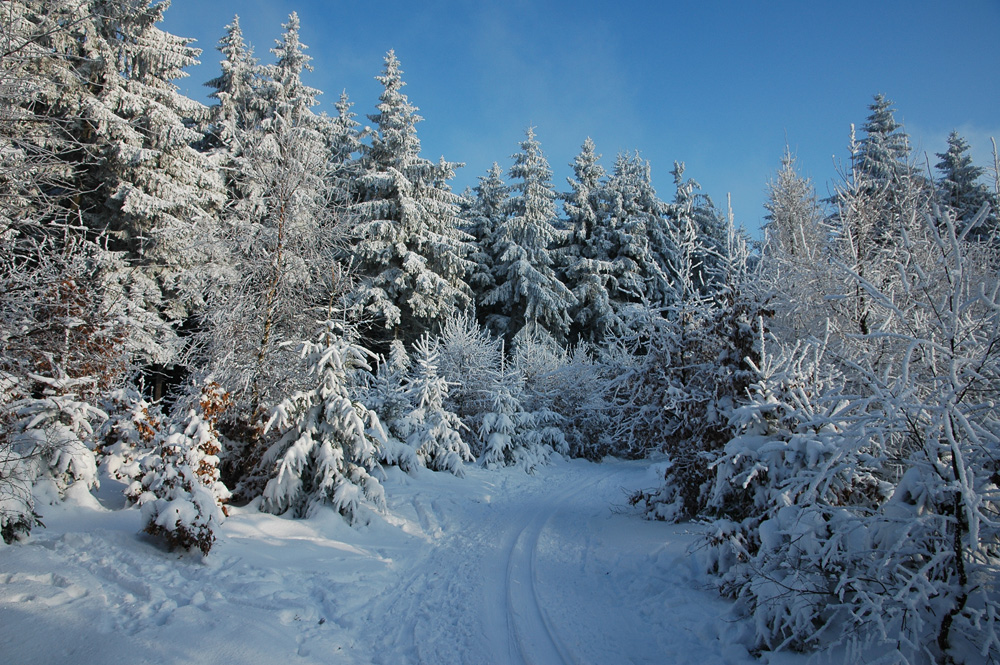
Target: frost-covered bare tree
x,y
866,484
282,226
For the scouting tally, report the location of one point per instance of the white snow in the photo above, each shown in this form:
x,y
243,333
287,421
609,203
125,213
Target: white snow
x,y
497,567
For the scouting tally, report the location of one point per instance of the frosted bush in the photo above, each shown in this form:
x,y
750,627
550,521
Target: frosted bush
x,y
48,442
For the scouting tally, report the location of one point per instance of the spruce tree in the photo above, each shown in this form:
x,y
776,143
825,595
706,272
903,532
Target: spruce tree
x,y
959,187
885,149
583,262
485,214
329,442
344,140
235,89
795,250
146,181
636,241
531,298
410,255
793,228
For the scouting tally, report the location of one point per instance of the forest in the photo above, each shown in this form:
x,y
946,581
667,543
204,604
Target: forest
x,y
251,302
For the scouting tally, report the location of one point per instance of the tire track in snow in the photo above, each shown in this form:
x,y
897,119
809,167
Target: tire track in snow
x,y
532,638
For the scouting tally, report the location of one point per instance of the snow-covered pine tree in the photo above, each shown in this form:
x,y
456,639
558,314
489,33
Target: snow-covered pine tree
x,y
960,188
434,431
235,89
329,441
484,217
344,139
128,434
879,195
635,241
141,176
794,254
410,255
52,271
692,206
583,263
510,435
529,295
880,198
884,152
387,396
61,344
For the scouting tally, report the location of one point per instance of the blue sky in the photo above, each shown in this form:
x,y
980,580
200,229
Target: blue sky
x,y
721,85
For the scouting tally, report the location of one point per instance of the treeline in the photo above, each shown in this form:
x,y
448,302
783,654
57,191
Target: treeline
x,y
253,301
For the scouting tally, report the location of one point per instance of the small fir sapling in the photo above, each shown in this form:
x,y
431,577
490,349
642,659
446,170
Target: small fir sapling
x,y
513,436
434,431
182,498
329,441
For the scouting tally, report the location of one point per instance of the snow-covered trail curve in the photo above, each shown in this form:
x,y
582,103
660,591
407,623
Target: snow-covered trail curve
x,y
553,570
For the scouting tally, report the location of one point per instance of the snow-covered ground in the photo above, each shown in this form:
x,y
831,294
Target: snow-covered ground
x,y
498,567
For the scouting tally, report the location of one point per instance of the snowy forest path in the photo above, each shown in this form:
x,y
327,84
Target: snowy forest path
x,y
497,568
513,577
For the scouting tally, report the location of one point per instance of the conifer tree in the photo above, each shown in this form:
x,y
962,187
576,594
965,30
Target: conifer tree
x,y
410,255
636,241
235,89
884,151
329,442
132,168
434,431
148,184
794,254
794,218
959,187
882,188
583,261
344,141
485,215
531,298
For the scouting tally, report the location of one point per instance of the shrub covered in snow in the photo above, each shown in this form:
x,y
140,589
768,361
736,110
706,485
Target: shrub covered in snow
x,y
177,484
128,433
47,442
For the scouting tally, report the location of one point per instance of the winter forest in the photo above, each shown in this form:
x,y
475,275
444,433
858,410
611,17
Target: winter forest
x,y
253,305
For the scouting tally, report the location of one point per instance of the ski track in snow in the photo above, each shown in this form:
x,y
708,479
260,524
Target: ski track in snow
x,y
499,568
